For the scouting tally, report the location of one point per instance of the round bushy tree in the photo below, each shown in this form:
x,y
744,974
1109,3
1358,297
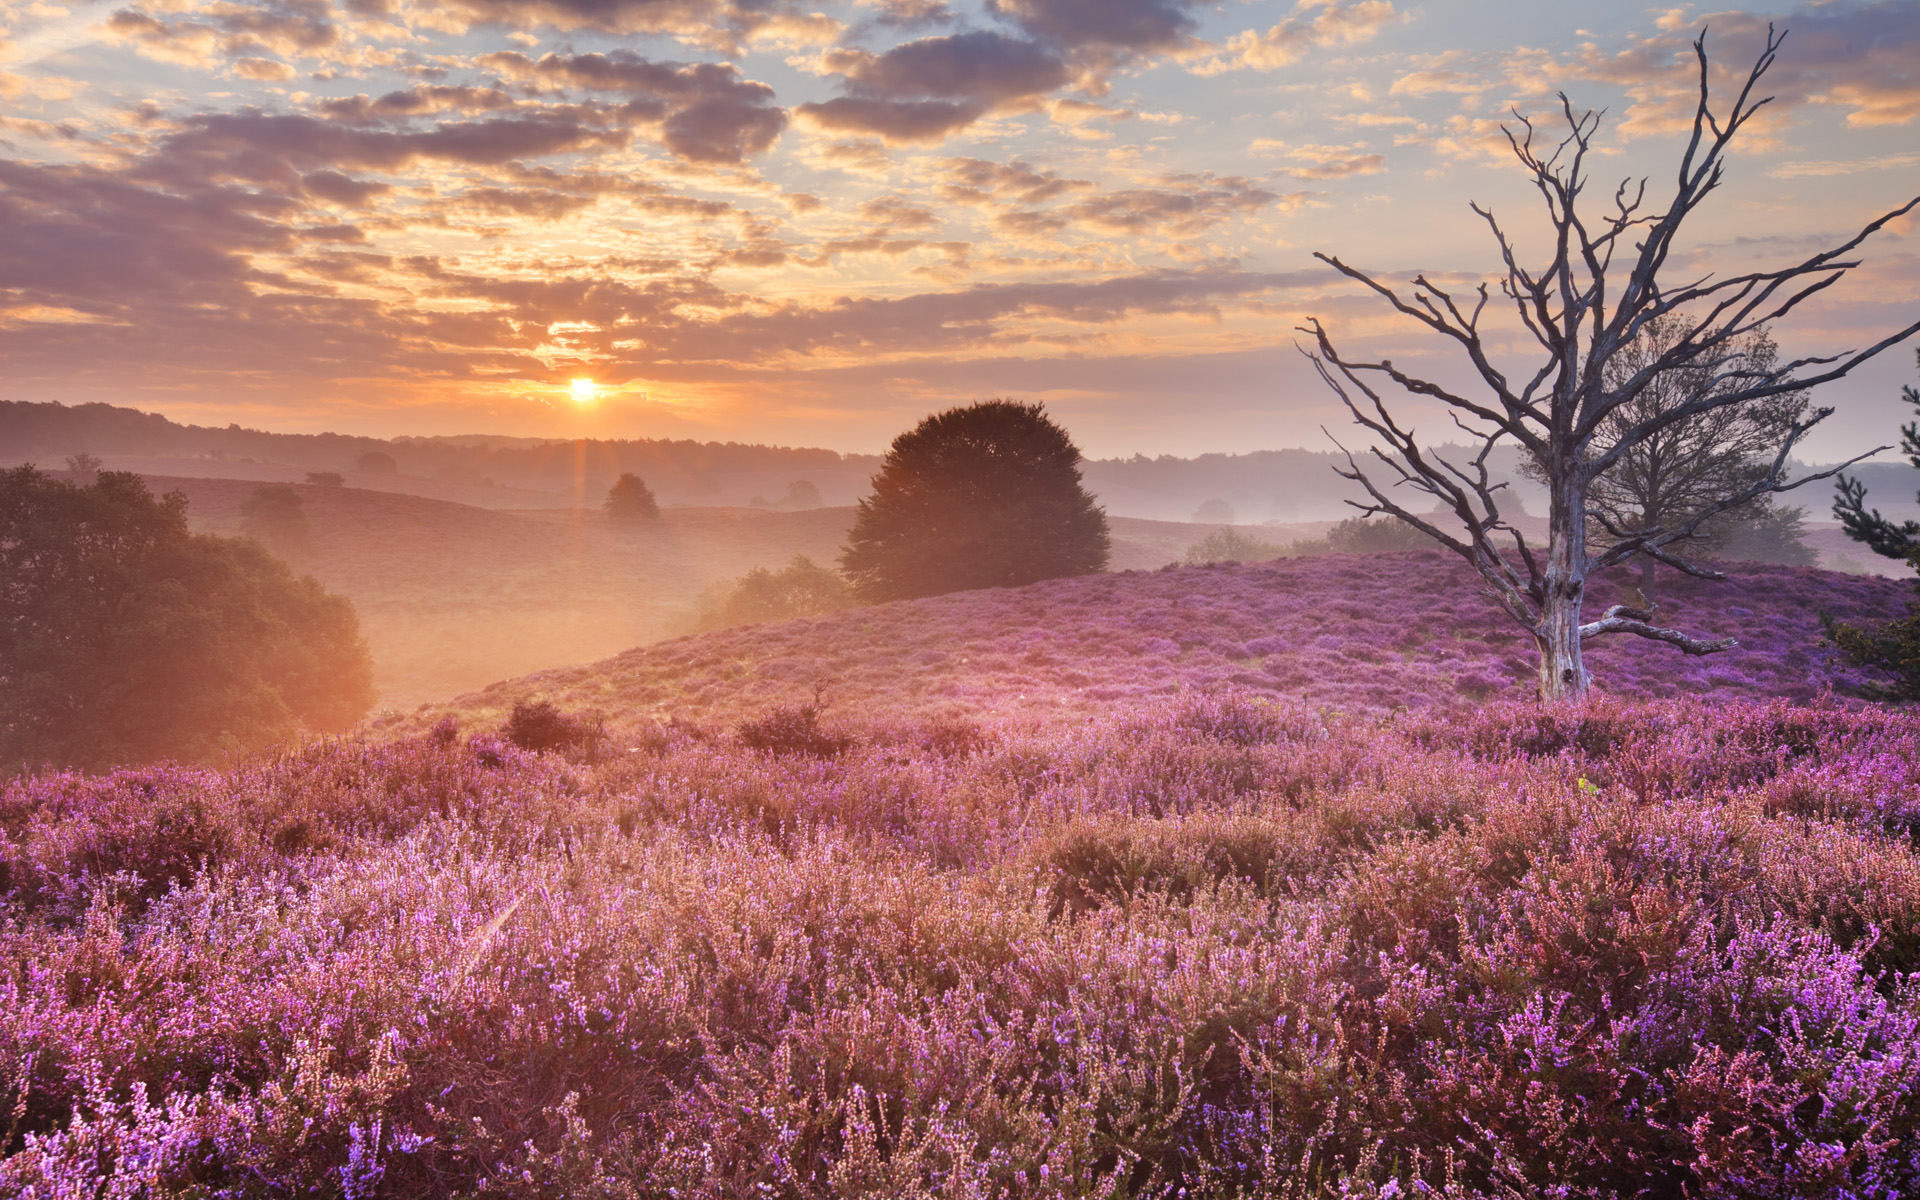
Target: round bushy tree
x,y
630,499
987,495
124,637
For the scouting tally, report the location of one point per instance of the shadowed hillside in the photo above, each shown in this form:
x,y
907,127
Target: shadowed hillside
x,y
1360,632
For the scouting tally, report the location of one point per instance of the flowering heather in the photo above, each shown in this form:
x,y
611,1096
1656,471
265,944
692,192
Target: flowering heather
x,y
1355,632
1203,945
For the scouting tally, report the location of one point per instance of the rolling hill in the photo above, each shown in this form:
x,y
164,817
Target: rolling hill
x,y
1370,632
453,597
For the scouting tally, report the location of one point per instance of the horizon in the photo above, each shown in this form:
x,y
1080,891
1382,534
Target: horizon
x,y
721,221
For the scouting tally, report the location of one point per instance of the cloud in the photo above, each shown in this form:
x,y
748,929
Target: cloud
x,y
1335,162
978,181
256,145
1314,24
711,113
1803,170
250,34
717,24
928,89
1119,24
1183,204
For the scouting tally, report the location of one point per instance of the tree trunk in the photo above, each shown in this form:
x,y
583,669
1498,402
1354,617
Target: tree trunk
x,y
1563,673
1646,578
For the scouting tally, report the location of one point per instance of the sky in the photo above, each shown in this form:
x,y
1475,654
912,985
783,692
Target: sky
x,y
813,223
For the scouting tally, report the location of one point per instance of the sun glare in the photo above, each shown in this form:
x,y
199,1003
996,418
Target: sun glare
x,y
584,390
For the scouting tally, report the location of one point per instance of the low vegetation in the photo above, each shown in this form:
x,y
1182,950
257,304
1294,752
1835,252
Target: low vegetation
x,y
1211,946
1373,632
126,638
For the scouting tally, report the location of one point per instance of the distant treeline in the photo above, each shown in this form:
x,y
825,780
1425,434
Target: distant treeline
x,y
1262,486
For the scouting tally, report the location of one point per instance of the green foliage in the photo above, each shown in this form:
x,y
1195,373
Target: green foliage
x,y
630,499
1876,532
376,462
125,638
540,725
1771,535
1363,535
802,588
1895,645
274,516
802,493
987,495
1231,545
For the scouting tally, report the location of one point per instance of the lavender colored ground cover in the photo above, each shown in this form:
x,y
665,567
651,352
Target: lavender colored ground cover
x,y
1041,931
1374,632
1211,945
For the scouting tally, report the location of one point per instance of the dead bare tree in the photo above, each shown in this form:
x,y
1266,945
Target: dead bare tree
x,y
1560,415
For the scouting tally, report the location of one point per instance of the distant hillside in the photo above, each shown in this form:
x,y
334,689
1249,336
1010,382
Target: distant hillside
x,y
453,597
502,472
1374,632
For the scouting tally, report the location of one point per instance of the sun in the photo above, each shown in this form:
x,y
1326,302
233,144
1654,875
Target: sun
x,y
584,391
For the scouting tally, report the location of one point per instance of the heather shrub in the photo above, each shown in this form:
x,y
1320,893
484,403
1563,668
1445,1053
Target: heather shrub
x,y
792,729
1208,942
540,725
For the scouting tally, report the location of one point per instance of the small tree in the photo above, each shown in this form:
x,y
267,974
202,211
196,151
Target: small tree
x,y
274,515
802,588
1666,478
125,638
802,493
1893,645
1231,545
629,499
376,462
983,496
1583,313
1877,533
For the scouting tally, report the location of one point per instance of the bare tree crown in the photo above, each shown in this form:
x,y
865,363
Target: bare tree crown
x,y
1577,414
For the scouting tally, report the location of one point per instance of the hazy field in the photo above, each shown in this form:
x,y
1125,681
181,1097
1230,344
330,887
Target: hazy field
x,y
1361,632
453,597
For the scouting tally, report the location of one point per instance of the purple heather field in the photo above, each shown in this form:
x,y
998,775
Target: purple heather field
x,y
1254,881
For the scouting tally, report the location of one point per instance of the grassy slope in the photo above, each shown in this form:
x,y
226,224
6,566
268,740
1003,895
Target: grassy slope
x,y
1379,631
453,597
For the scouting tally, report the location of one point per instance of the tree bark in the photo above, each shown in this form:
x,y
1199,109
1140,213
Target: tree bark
x,y
1563,672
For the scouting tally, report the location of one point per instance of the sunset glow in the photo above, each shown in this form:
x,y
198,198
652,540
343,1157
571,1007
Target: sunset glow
x,y
818,222
584,391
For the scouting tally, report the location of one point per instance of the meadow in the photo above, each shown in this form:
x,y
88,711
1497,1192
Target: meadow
x,y
1199,937
452,596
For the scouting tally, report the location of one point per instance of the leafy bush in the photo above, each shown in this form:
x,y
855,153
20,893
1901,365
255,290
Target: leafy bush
x,y
800,589
793,729
629,499
987,495
1231,545
539,725
274,515
126,638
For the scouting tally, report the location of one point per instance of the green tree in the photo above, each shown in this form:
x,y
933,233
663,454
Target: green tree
x,y
630,499
987,495
1231,545
126,638
802,588
1893,646
273,515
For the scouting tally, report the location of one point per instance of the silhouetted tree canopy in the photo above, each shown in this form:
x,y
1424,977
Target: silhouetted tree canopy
x,y
802,588
273,515
630,499
125,638
376,462
987,495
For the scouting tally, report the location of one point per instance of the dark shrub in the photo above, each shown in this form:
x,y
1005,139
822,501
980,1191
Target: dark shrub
x,y
538,725
793,729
